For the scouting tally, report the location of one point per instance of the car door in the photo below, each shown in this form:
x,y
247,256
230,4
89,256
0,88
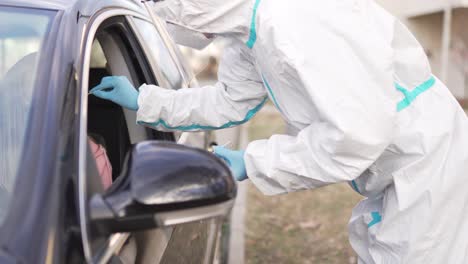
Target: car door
x,y
115,46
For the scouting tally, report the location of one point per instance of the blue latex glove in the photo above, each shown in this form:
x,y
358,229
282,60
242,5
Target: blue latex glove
x,y
235,161
119,90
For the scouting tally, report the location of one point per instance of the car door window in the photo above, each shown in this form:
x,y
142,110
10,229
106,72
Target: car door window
x,y
158,50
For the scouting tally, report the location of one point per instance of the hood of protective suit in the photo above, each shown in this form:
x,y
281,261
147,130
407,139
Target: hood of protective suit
x,y
219,17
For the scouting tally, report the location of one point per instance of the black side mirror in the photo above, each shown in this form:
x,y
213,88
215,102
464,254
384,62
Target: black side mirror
x,y
164,184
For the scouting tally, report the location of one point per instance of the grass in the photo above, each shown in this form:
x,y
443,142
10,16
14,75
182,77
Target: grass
x,y
304,227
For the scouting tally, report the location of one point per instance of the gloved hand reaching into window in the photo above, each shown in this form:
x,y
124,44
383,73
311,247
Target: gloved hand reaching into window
x,y
235,161
119,90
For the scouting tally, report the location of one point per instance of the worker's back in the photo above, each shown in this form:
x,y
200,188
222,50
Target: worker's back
x,y
335,49
358,87
322,46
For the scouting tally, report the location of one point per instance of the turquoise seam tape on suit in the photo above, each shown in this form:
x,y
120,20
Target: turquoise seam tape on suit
x,y
253,27
355,187
376,218
271,92
249,116
410,96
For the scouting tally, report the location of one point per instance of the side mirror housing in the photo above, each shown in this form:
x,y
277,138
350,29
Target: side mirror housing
x,y
164,184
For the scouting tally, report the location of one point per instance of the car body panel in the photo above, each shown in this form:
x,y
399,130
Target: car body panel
x,y
44,4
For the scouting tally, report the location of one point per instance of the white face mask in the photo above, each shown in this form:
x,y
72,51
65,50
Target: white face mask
x,y
187,37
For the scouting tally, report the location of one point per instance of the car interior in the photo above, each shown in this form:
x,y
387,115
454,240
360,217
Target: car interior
x,y
106,121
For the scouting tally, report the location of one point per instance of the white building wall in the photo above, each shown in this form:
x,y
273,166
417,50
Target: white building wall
x,y
411,8
428,30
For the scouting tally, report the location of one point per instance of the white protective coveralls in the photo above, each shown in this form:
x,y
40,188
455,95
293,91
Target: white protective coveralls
x,y
358,86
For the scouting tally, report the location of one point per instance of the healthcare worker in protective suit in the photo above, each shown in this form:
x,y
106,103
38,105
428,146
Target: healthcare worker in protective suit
x,y
358,86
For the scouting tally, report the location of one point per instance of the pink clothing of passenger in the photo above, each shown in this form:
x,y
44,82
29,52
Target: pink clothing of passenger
x,y
102,162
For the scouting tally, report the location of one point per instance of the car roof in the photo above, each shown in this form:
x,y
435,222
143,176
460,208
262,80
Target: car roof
x,y
45,4
88,5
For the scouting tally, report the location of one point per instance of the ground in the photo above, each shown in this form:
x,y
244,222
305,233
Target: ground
x,y
304,227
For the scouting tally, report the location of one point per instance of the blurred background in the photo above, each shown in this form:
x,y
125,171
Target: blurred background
x,y
311,226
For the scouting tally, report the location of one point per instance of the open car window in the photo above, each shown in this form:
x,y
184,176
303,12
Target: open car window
x,y
22,34
109,125
112,130
116,52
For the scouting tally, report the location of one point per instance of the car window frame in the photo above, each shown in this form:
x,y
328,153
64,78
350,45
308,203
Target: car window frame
x,y
160,26
184,71
155,68
156,65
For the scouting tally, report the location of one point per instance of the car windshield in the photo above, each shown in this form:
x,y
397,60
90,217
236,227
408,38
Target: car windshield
x,y
22,33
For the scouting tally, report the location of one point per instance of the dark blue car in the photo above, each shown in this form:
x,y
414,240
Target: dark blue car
x,y
167,202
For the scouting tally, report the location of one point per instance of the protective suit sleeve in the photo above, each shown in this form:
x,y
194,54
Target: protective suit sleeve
x,y
233,100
